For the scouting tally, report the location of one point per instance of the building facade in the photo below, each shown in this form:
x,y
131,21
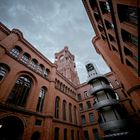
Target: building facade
x,y
116,27
39,100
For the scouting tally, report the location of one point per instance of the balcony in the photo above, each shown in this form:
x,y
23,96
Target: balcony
x,y
104,103
94,77
115,124
100,88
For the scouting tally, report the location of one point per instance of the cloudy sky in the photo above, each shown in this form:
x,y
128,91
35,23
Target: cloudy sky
x,y
49,25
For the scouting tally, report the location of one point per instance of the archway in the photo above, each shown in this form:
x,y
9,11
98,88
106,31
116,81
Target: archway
x,y
35,136
11,128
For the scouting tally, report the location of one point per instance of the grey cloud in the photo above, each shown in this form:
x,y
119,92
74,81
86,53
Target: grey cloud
x,y
49,25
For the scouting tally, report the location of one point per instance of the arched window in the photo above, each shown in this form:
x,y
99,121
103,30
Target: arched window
x,y
3,71
20,91
40,69
33,64
15,51
25,58
46,73
64,110
70,113
75,114
41,99
57,100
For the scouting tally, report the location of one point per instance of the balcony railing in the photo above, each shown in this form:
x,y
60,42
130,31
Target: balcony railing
x,y
104,103
115,124
96,89
94,77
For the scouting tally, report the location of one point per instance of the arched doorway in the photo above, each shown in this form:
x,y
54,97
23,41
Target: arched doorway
x,y
11,128
35,136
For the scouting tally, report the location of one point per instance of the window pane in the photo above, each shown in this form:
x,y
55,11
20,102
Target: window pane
x,y
15,51
91,117
25,58
57,107
56,134
41,99
83,119
19,93
64,110
3,72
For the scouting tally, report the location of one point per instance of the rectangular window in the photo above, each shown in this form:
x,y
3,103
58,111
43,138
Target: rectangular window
x,y
86,135
79,97
128,14
78,136
127,37
81,107
72,134
65,134
38,122
83,119
95,134
88,104
91,117
56,133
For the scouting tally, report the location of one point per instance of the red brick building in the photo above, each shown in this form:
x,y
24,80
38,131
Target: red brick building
x,y
41,100
115,23
116,27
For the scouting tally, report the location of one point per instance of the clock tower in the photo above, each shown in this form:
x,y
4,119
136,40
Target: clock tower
x,y
66,65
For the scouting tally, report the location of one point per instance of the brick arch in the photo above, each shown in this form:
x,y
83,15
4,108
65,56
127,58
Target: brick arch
x,y
15,115
29,74
13,127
